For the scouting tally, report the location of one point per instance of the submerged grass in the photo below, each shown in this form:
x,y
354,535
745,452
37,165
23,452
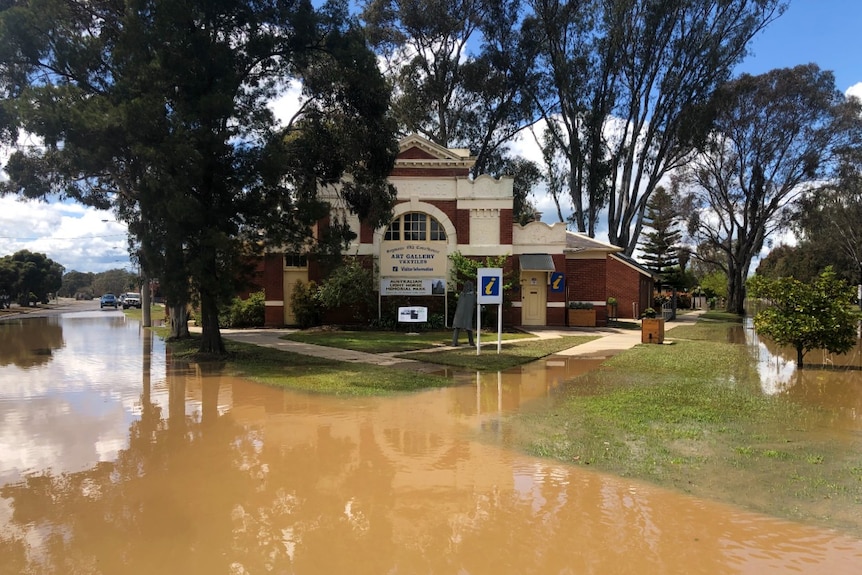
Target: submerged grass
x,y
306,373
383,341
691,416
512,353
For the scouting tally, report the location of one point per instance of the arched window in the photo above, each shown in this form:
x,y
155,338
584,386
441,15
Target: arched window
x,y
415,227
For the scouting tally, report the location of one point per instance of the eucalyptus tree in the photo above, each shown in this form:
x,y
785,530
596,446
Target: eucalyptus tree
x,y
774,135
160,109
29,277
462,70
624,84
831,218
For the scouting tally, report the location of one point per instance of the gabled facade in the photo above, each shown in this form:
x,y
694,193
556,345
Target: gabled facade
x,y
440,210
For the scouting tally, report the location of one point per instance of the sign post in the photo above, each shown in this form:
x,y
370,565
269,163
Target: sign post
x,y
489,291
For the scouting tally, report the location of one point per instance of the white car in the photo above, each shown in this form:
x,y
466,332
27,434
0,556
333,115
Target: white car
x,y
131,300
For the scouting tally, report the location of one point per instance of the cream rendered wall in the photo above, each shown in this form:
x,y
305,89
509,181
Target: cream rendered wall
x,y
539,237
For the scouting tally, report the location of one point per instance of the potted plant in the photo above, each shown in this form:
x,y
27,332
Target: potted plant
x,y
581,314
612,308
652,327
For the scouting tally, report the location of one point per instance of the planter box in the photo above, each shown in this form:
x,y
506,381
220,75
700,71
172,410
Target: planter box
x,y
582,318
652,330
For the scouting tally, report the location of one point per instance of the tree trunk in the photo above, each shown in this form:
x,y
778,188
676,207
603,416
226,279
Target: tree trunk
x,y
146,305
735,292
211,341
178,320
799,354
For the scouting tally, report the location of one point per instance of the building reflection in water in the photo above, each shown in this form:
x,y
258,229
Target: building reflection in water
x,y
220,475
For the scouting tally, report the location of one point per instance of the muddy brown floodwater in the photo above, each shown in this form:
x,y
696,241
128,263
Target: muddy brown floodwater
x,y
114,459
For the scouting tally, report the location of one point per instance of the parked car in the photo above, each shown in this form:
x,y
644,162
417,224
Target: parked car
x,y
108,300
131,300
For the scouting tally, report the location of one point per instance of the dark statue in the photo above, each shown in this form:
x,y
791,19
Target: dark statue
x,y
464,313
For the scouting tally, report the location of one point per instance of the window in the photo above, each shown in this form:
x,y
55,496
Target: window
x,y
295,261
393,232
415,227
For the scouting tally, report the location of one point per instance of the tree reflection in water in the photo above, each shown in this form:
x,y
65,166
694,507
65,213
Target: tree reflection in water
x,y
233,477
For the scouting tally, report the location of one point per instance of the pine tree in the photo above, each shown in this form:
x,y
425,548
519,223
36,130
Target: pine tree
x,y
661,245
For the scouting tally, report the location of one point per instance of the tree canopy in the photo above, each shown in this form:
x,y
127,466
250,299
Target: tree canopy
x,y
828,221
774,135
624,85
160,110
660,246
807,316
29,277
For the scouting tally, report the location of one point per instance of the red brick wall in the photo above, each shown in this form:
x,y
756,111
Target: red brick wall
x,y
506,226
586,279
430,172
628,286
273,287
414,153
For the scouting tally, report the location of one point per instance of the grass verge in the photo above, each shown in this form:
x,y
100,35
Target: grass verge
x,y
691,416
512,353
306,373
383,341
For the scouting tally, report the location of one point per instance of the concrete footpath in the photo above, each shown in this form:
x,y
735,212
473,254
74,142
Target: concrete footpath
x,y
610,342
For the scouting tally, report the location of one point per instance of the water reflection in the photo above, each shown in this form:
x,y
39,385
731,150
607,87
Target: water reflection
x,y
829,381
212,474
25,346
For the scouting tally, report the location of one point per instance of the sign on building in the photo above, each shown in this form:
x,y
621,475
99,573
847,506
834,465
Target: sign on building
x,y
408,260
558,282
412,286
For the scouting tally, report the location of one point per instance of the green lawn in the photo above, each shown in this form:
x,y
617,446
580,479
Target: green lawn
x,y
512,353
387,341
691,416
323,375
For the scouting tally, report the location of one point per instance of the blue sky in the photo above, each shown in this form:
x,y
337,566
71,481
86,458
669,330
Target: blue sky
x,y
826,32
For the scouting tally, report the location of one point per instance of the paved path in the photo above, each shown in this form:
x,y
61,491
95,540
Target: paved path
x,y
610,342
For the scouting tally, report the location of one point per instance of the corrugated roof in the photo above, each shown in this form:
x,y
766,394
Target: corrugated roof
x,y
579,242
631,262
536,262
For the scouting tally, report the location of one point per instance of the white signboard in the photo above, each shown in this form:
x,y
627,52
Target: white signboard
x,y
490,285
413,314
412,286
489,290
403,259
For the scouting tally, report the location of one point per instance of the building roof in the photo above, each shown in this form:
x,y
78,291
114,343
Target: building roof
x,y
536,263
418,152
577,242
635,265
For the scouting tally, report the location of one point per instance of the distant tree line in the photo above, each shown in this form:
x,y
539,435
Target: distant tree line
x,y
28,278
87,285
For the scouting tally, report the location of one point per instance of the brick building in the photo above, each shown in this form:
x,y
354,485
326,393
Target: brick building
x,y
440,210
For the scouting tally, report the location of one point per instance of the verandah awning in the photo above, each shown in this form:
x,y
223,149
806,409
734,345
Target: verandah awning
x,y
536,263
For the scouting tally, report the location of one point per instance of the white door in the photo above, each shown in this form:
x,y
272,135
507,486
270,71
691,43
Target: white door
x,y
534,298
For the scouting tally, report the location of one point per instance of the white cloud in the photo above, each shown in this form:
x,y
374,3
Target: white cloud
x,y
854,90
76,237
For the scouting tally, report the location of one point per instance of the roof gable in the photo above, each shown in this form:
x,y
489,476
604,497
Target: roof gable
x,y
418,152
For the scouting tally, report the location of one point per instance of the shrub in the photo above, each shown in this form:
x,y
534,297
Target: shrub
x,y
352,286
306,305
244,312
580,305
